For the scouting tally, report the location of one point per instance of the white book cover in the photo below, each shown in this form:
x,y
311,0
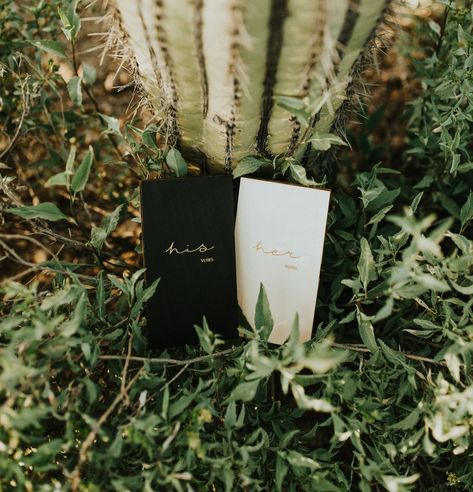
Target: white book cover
x,y
279,239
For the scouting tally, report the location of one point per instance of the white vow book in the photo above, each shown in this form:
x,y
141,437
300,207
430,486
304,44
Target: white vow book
x,y
279,238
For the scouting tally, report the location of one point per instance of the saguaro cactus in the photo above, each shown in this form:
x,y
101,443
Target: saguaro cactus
x,y
212,69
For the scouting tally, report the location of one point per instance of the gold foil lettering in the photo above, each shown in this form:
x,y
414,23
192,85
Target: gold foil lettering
x,y
274,252
200,249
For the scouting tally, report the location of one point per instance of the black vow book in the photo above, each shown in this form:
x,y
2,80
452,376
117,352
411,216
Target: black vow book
x,y
188,242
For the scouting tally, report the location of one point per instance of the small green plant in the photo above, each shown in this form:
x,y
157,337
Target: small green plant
x,y
379,399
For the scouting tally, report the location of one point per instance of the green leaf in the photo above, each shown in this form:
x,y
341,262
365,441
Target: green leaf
x,y
59,179
97,237
143,298
379,216
109,224
148,137
245,391
416,201
290,103
100,296
309,403
177,407
366,331
453,364
112,123
205,336
115,448
321,359
464,289
70,165
263,319
435,27
44,453
384,198
396,483
72,325
385,311
299,174
176,162
60,298
295,106
366,265
51,47
92,391
369,195
281,471
323,141
247,165
408,422
45,210
392,355
293,341
85,347
455,163
466,212
75,90
465,167
64,19
70,21
81,176
462,243
89,74
299,460
230,415
430,282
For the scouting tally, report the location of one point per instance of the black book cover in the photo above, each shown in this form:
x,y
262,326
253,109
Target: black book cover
x,y
188,242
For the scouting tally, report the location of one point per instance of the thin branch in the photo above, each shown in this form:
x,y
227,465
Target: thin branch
x,y
75,217
81,245
358,348
15,257
15,135
24,111
181,371
89,440
125,370
184,362
19,275
32,240
175,362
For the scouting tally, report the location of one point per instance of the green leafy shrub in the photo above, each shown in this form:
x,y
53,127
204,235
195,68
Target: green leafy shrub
x,y
380,399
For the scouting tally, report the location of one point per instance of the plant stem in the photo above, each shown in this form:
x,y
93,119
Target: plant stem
x,y
175,362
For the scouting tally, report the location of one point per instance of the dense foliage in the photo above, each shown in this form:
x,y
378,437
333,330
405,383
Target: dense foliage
x,y
380,399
